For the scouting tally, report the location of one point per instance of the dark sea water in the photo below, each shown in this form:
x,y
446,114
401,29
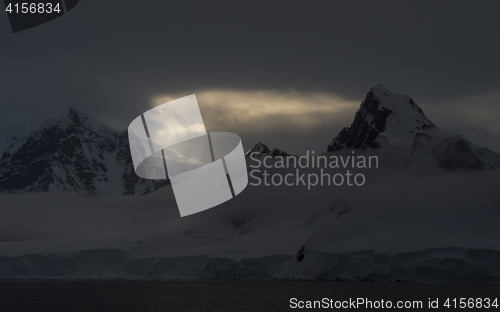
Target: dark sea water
x,y
216,296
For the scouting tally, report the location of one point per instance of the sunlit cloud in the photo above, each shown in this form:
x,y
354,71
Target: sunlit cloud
x,y
265,108
289,118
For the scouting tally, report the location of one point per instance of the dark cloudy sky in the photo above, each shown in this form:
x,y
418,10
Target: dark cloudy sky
x,y
288,73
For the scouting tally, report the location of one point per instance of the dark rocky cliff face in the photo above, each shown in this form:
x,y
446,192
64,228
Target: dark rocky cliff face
x,y
362,133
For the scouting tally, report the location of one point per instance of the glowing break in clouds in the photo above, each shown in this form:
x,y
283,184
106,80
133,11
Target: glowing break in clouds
x,y
261,108
205,169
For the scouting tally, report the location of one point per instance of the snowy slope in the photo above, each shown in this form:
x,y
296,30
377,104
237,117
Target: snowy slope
x,y
397,227
450,152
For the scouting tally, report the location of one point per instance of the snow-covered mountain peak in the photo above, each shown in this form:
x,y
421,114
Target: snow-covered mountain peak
x,y
406,116
71,153
260,149
383,117
79,121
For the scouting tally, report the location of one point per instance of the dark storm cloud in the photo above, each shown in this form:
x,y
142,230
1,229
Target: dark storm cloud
x,y
110,58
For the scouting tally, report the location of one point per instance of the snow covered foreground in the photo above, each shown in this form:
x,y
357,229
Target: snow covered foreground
x,y
440,227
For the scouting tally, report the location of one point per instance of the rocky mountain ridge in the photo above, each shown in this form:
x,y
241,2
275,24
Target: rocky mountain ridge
x,y
77,154
74,154
390,120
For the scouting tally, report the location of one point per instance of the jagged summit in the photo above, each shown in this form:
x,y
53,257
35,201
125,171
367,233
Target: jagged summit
x,y
388,119
261,149
383,116
82,120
